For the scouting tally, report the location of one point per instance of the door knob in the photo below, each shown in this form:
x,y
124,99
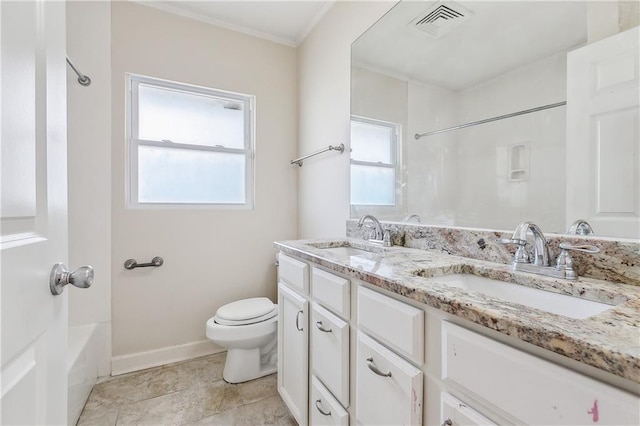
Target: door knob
x,y
60,276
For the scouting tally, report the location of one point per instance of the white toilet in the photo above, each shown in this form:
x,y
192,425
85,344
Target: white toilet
x,y
248,329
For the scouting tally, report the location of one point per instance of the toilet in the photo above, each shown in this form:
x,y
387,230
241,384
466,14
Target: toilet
x,y
248,329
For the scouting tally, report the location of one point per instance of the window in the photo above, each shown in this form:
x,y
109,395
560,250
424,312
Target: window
x,y
373,161
188,145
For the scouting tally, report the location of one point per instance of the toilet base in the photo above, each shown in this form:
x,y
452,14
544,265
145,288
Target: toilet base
x,y
243,365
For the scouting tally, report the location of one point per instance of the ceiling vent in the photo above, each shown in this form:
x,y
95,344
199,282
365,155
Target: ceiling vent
x,y
441,18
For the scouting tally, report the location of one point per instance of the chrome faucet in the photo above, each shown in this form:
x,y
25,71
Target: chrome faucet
x,y
415,217
537,262
580,227
381,236
540,245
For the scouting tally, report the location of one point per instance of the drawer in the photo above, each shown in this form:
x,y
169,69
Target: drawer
x,y
388,388
529,388
293,273
330,352
331,291
456,413
323,408
394,323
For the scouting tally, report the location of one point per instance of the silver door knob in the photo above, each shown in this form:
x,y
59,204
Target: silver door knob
x,y
60,276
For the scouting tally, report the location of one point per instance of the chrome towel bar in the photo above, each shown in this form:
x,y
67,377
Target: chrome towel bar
x,y
299,161
82,79
132,264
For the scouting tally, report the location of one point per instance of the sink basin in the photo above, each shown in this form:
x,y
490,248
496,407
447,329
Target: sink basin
x,y
345,251
555,303
346,248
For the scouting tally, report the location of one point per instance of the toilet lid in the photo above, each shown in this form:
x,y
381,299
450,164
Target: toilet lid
x,y
247,321
256,308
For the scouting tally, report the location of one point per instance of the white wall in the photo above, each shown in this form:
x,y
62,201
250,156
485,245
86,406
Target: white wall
x,y
324,69
89,171
212,257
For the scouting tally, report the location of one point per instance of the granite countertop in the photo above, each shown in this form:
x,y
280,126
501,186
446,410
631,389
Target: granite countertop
x,y
609,341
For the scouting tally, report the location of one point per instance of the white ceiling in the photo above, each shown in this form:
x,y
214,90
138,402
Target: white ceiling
x,y
499,36
285,22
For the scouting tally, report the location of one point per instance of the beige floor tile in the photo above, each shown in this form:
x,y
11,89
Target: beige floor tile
x,y
184,393
261,388
268,411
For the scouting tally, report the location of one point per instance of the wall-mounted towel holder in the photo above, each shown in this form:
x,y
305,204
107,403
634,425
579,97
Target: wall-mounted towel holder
x,y
132,264
299,161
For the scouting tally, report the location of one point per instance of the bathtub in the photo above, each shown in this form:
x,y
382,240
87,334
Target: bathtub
x,y
82,367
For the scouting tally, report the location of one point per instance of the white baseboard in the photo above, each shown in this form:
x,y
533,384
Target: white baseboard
x,y
157,357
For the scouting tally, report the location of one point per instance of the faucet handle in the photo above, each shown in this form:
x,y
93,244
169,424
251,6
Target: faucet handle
x,y
565,261
585,248
512,241
522,256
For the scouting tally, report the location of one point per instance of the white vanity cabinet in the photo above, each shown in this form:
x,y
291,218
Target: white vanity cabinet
x,y
293,336
530,389
325,410
330,352
457,413
388,388
381,359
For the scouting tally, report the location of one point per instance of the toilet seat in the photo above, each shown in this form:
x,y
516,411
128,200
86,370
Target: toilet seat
x,y
247,311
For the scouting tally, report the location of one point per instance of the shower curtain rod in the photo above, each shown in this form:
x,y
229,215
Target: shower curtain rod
x,y
489,120
82,79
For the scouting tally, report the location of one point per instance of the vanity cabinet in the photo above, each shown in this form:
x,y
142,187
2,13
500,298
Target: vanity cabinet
x,y
383,378
530,389
330,352
388,388
457,413
293,335
378,358
325,410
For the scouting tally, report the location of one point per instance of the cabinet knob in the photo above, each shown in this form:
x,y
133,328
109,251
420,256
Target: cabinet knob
x,y
319,408
375,369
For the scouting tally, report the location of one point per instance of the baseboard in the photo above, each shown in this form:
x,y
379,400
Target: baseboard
x,y
157,357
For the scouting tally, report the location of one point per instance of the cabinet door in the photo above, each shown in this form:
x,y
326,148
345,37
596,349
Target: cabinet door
x,y
323,408
293,352
330,352
293,273
388,388
457,413
531,389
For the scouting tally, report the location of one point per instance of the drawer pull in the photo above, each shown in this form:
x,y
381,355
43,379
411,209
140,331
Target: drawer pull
x,y
298,321
373,368
320,327
319,408
447,422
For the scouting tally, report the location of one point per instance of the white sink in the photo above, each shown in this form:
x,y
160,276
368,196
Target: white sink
x,y
345,251
555,303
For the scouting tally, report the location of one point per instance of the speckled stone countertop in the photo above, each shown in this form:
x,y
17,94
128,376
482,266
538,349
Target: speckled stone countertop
x,y
609,341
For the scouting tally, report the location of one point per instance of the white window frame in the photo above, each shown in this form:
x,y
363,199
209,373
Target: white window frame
x,y
131,193
395,162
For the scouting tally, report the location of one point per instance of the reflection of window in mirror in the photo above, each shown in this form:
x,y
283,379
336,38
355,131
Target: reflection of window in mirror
x,y
374,161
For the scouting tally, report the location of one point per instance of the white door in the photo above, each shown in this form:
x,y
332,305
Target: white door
x,y
33,212
293,352
603,140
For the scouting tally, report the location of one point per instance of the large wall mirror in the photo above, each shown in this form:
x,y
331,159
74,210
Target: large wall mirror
x,y
463,114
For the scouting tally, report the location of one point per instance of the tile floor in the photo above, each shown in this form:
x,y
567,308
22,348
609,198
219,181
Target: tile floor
x,y
185,393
